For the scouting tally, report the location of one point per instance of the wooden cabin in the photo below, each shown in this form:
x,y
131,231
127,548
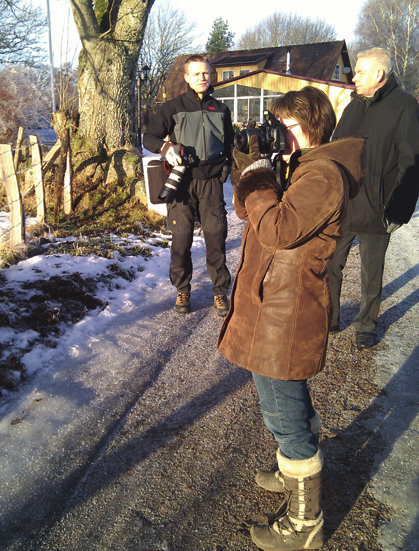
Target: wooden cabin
x,y
248,80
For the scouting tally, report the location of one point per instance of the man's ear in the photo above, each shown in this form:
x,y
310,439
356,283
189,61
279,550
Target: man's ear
x,y
186,77
381,75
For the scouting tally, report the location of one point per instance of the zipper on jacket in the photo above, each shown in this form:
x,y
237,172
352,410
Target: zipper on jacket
x,y
182,124
203,130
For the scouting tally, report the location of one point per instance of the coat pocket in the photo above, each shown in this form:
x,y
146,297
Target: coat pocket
x,y
262,274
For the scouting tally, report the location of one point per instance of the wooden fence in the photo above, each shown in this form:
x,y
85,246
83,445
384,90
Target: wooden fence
x,y
33,180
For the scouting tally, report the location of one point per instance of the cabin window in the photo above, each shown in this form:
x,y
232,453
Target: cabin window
x,y
244,71
336,73
248,109
227,75
246,102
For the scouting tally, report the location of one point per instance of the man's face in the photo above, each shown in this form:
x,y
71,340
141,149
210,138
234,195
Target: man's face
x,y
368,77
198,77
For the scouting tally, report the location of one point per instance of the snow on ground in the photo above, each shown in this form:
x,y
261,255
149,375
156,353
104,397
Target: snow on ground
x,y
149,274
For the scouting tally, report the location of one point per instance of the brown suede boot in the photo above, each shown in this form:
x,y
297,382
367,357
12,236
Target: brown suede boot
x,y
272,480
298,524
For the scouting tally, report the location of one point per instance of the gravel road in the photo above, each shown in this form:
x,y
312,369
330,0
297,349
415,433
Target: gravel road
x,y
150,440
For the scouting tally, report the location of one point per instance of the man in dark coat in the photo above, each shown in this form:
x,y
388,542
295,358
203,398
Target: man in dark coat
x,y
198,127
389,117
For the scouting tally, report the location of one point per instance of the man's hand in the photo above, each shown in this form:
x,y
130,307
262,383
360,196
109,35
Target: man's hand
x,y
172,152
225,174
245,161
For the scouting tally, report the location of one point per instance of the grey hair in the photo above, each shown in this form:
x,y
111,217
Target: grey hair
x,y
381,56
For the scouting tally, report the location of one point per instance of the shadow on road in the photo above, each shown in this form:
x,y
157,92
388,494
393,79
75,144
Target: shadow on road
x,y
367,442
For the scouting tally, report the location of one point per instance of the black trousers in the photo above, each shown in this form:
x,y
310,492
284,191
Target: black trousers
x,y
372,248
205,200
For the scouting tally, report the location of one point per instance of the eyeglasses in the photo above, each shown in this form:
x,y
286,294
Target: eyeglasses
x,y
290,126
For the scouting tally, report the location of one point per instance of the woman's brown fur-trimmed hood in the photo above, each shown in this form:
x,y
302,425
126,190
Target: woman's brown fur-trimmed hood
x,y
350,157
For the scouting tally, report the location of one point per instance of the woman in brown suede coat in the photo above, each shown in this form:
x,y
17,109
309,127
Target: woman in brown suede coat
x,y
279,317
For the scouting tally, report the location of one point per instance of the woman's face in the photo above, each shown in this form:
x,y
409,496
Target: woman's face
x,y
295,137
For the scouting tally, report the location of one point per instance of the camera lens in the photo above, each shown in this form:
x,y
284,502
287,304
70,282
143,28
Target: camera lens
x,y
168,191
240,141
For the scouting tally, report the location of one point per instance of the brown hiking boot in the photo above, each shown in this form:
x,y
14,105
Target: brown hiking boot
x,y
183,303
221,305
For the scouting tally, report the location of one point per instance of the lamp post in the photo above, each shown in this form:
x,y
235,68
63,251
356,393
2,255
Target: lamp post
x,y
51,63
143,76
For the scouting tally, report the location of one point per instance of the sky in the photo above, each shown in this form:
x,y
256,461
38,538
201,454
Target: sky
x,y
235,12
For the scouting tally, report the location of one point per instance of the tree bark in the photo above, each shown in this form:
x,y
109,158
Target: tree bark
x,y
111,35
62,127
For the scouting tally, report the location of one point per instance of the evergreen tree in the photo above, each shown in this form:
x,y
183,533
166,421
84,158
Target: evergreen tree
x,y
220,39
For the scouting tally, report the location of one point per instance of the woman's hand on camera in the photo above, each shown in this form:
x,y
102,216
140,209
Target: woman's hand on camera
x,y
252,160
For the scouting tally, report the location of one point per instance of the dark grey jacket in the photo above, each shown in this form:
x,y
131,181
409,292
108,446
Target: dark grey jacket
x,y
391,123
203,126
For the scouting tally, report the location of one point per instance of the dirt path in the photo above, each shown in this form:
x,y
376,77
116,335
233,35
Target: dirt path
x,y
149,439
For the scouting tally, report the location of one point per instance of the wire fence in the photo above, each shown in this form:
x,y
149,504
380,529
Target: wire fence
x,y
19,181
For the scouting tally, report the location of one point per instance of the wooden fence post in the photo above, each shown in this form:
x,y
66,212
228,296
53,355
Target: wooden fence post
x,y
37,181
18,146
67,199
8,177
51,157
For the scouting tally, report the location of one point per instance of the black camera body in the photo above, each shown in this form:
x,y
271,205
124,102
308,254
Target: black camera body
x,y
271,136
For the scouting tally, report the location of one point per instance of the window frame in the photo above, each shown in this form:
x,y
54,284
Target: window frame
x,y
337,72
229,71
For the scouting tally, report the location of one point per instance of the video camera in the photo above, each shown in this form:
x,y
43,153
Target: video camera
x,y
168,191
271,136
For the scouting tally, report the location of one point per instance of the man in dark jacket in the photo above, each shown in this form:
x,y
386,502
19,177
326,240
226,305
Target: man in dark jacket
x,y
389,118
196,126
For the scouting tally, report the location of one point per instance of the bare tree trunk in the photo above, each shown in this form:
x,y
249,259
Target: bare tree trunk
x,y
107,98
111,34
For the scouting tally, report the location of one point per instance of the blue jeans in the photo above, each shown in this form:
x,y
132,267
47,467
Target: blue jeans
x,y
287,410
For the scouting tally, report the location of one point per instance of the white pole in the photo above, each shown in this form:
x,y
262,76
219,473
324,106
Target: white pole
x,y
51,62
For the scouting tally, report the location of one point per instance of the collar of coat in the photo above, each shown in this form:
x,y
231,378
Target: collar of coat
x,y
348,153
194,96
381,93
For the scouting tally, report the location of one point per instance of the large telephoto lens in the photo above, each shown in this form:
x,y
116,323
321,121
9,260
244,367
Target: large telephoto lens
x,y
168,191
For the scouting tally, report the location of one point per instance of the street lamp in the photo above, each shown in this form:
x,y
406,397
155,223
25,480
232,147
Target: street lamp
x,y
51,63
143,76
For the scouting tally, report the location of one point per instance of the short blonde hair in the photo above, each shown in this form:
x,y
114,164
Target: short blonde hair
x,y
194,59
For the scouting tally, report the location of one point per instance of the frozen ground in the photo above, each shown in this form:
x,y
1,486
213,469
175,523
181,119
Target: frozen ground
x,y
134,397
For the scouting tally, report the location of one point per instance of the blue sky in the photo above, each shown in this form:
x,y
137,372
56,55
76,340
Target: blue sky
x,y
343,16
